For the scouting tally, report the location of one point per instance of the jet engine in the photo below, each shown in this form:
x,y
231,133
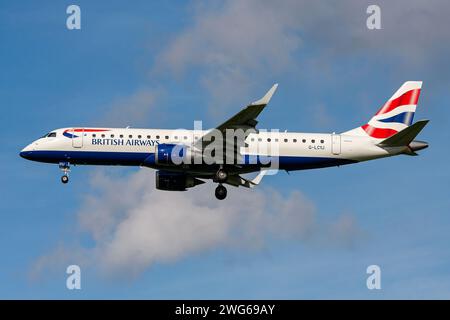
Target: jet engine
x,y
175,154
175,181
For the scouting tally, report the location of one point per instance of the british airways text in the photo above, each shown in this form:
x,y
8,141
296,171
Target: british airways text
x,y
123,142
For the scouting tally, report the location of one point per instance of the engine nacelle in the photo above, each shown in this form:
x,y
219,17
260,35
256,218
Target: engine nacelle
x,y
175,181
176,154
169,154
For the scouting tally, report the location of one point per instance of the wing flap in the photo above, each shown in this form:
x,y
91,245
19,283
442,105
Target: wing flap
x,y
238,181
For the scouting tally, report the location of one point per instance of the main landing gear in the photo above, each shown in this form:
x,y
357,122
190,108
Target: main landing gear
x,y
65,168
221,192
220,177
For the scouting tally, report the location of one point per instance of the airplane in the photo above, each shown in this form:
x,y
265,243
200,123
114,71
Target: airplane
x,y
389,132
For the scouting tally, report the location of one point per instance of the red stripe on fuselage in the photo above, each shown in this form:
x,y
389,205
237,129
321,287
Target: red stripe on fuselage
x,y
85,130
379,133
89,130
409,97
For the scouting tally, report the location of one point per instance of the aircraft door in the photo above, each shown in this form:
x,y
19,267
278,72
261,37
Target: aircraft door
x,y
336,143
77,137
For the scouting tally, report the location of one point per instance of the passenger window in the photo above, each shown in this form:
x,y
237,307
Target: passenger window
x,y
121,136
285,140
148,137
313,141
130,136
93,135
157,137
304,140
167,137
295,140
259,139
103,135
139,136
268,140
112,136
252,139
185,138
276,140
176,137
321,141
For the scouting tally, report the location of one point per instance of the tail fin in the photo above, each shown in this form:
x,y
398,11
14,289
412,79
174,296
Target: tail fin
x,y
395,115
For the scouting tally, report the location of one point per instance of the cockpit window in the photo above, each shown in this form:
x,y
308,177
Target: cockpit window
x,y
51,135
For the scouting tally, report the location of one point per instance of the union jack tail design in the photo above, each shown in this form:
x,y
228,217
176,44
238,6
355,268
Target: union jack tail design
x,y
395,115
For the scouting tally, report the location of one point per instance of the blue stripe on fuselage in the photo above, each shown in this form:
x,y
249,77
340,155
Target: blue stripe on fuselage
x,y
87,157
295,162
142,158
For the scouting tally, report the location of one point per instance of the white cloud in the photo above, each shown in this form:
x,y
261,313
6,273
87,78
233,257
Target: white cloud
x,y
239,33
135,226
235,46
235,49
142,225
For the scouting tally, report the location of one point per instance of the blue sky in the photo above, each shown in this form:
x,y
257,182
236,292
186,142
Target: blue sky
x,y
150,64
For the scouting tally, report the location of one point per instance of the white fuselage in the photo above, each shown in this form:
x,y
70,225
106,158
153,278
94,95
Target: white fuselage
x,y
126,146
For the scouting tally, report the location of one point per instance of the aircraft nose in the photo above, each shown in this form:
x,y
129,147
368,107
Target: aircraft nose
x,y
26,152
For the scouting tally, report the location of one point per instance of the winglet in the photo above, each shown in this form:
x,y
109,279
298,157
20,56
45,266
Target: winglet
x,y
265,100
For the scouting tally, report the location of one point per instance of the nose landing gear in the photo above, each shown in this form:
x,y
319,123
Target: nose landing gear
x,y
65,179
65,168
221,192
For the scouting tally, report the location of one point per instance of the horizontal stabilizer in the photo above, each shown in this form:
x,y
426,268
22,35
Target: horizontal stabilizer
x,y
404,137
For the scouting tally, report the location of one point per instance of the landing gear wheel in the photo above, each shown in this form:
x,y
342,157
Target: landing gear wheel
x,y
65,168
221,175
221,192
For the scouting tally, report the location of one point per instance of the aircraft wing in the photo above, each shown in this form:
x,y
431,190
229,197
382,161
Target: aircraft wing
x,y
245,119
